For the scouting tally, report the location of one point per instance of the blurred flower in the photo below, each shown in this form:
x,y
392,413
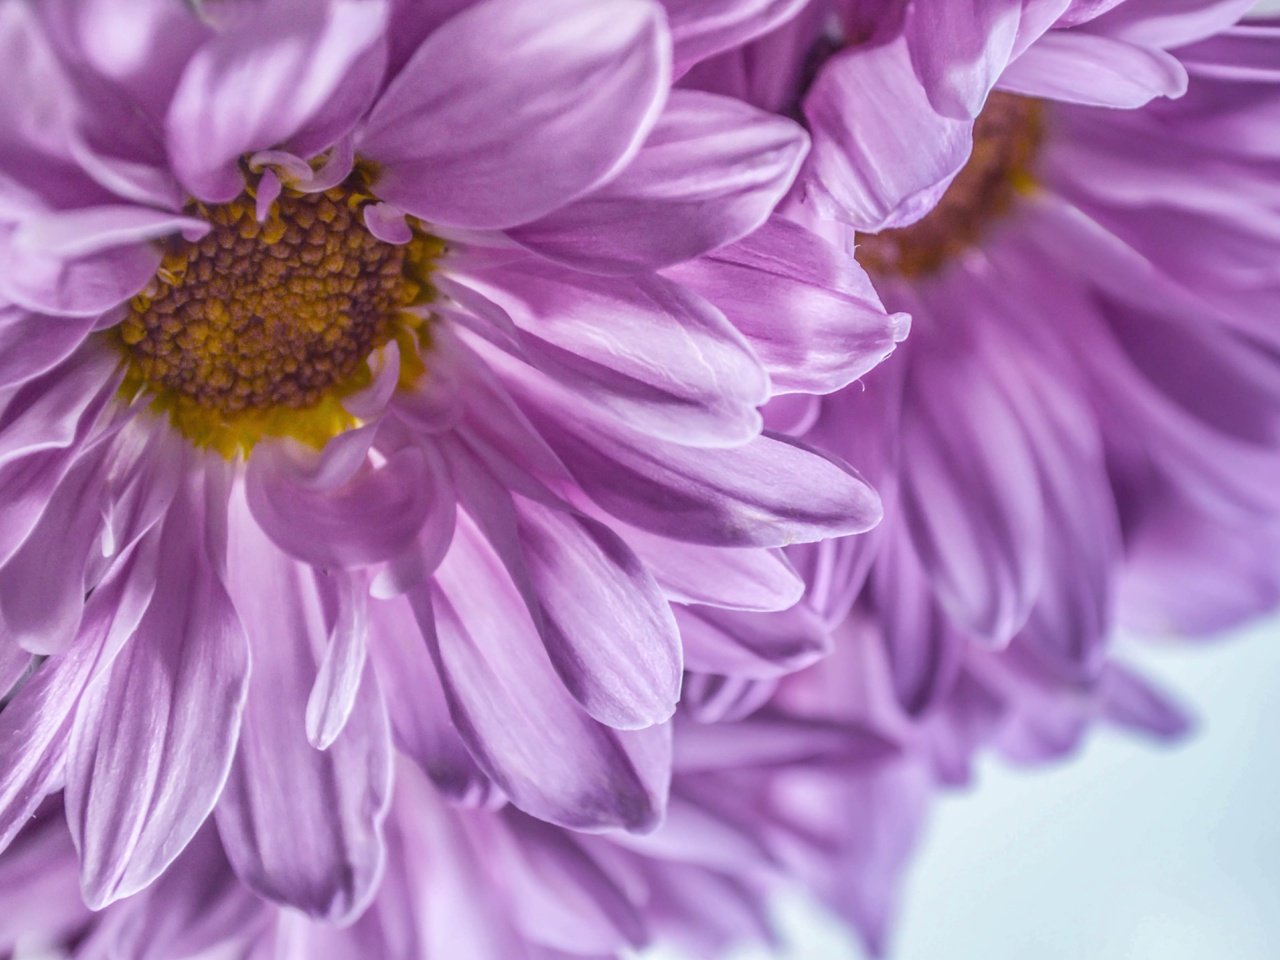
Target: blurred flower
x,y
1080,434
343,408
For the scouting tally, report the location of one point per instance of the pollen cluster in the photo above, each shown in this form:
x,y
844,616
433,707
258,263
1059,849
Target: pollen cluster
x,y
260,328
1006,139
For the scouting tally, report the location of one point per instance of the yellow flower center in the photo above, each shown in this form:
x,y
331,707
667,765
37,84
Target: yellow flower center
x,y
262,329
1006,139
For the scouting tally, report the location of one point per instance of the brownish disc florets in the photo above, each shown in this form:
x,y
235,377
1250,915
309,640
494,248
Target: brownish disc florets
x,y
1006,138
258,320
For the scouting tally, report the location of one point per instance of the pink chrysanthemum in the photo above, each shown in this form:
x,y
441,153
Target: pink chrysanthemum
x,y
344,407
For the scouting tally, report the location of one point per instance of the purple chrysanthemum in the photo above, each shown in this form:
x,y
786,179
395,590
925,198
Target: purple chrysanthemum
x,y
1080,435
345,407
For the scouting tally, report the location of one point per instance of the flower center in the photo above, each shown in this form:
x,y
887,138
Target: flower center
x,y
1006,139
260,329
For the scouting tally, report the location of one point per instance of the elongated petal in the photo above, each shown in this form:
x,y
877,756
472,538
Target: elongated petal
x,y
703,28
959,48
805,306
1097,71
970,489
30,344
752,645
83,286
42,586
301,826
740,579
35,728
416,702
882,154
608,629
501,685
513,108
154,737
769,492
659,357
80,233
711,171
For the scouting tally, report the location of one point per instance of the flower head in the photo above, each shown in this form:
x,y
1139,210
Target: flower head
x,y
345,412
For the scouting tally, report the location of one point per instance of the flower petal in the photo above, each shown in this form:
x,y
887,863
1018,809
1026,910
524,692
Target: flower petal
x,y
35,728
959,49
260,81
711,171
757,646
301,826
30,344
72,234
752,578
43,585
882,154
373,516
154,736
77,287
501,688
703,28
805,306
513,108
416,702
1096,71
769,492
657,356
606,625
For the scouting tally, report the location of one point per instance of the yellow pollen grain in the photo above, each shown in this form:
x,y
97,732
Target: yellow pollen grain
x,y
261,329
1006,139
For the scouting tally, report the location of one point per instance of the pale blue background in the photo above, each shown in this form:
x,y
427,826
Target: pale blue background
x,y
1126,853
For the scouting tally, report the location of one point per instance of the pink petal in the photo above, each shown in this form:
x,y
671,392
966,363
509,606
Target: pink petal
x,y
805,306
513,108
1096,71
31,344
300,826
607,627
882,154
154,736
758,646
80,286
766,493
373,516
35,728
738,578
262,80
416,702
959,48
703,28
711,171
501,687
642,348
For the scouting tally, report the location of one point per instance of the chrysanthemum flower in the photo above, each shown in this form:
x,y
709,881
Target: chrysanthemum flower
x,y
1090,388
1080,435
343,405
